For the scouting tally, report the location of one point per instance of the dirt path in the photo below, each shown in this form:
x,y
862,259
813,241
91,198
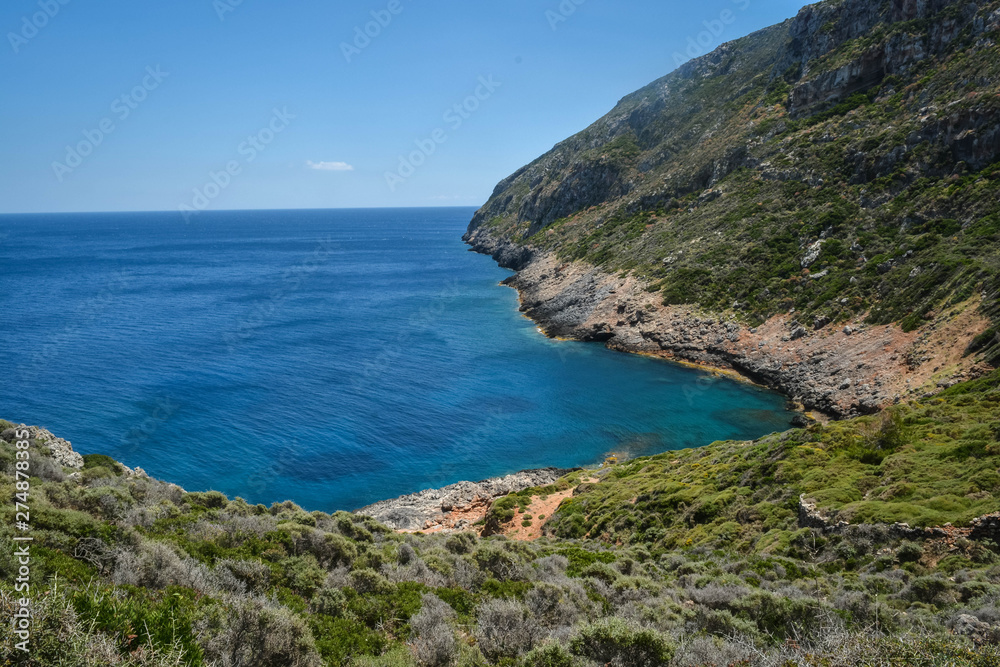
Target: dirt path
x,y
540,510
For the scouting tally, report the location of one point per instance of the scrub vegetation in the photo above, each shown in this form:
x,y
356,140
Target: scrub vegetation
x,y
687,558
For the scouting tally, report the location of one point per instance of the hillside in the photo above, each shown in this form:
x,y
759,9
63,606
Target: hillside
x,y
817,206
702,557
837,170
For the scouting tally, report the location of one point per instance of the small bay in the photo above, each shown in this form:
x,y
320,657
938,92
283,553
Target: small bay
x,y
333,358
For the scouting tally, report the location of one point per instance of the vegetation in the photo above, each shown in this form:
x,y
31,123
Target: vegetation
x,y
686,558
719,186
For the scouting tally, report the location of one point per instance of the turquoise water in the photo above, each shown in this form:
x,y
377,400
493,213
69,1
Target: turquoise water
x,y
333,358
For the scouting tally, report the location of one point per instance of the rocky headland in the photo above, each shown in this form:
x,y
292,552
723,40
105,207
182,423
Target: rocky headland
x,y
814,206
844,370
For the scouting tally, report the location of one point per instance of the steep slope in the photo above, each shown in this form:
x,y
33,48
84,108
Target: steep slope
x,y
840,168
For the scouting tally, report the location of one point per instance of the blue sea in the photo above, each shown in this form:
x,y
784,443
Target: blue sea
x,y
333,358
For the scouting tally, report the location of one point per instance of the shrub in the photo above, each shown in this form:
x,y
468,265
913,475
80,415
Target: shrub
x,y
602,572
254,574
505,629
433,640
157,565
335,549
909,552
556,606
369,581
250,633
303,573
127,632
498,561
779,616
721,622
396,657
208,500
101,461
929,590
617,642
551,568
549,655
329,601
461,543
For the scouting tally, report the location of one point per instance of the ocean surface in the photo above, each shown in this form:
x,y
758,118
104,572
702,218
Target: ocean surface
x,y
334,358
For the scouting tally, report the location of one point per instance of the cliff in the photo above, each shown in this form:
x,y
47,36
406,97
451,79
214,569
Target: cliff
x,y
816,205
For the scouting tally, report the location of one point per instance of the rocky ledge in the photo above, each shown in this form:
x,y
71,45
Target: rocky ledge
x,y
840,371
455,506
62,450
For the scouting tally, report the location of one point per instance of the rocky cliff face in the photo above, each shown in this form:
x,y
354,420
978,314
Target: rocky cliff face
x,y
828,52
815,205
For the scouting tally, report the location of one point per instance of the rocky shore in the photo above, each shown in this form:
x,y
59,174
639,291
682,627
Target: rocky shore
x,y
840,371
457,506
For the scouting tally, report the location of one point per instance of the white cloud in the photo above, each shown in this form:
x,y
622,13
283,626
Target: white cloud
x,y
329,166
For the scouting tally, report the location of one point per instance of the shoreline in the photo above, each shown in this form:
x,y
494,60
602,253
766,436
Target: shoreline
x,y
836,371
457,506
661,355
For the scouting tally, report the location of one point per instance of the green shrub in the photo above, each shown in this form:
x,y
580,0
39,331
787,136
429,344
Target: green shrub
x,y
397,656
549,655
909,552
619,642
499,561
101,461
367,581
505,629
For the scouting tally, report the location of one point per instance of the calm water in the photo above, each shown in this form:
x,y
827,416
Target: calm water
x,y
334,358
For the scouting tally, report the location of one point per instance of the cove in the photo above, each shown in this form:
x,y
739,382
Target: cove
x,y
333,358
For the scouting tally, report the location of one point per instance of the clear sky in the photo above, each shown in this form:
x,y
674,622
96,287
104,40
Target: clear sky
x,y
112,105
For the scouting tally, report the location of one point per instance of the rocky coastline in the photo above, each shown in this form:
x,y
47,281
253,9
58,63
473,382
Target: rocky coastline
x,y
839,371
457,506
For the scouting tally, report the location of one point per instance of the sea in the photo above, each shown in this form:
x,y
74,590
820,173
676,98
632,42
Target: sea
x,y
329,357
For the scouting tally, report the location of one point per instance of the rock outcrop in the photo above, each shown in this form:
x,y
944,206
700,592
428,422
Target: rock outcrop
x,y
981,529
839,371
62,450
432,508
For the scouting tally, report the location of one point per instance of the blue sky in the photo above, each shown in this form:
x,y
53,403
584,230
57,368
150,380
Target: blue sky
x,y
237,104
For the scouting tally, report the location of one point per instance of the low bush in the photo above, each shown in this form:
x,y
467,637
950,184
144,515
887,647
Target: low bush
x,y
617,642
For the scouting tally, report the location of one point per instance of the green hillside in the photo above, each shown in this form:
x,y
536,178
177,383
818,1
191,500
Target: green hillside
x,y
686,558
843,163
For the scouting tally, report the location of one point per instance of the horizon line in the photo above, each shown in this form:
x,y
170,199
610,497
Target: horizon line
x,y
239,210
